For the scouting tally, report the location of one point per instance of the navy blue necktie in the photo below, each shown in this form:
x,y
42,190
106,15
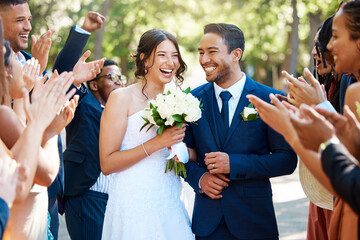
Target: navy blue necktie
x,y
225,96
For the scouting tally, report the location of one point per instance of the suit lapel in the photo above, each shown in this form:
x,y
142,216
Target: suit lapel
x,y
209,110
243,102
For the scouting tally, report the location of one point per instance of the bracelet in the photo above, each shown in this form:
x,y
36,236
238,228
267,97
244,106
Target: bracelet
x,y
145,150
324,145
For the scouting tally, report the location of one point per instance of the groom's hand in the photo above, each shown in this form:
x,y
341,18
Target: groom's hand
x,y
217,162
212,185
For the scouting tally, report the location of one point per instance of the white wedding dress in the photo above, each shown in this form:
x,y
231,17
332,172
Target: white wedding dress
x,y
144,202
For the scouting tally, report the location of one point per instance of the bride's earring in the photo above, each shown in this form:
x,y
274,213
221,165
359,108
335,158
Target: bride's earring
x,y
146,71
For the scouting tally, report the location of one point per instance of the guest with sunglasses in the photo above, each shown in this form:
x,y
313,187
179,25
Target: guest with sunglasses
x,y
86,188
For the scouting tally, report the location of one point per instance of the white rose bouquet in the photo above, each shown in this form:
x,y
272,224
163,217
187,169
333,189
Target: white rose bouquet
x,y
172,109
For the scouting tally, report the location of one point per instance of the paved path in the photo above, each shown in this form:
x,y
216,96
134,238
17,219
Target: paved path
x,y
291,206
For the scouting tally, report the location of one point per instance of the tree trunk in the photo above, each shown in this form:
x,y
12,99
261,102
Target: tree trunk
x,y
294,40
315,21
100,33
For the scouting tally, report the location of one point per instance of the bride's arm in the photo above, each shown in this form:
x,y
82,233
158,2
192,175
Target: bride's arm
x,y
112,130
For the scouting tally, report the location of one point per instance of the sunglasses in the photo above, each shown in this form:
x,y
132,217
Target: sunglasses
x,y
114,77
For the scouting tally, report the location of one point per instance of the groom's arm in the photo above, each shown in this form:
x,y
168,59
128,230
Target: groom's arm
x,y
280,161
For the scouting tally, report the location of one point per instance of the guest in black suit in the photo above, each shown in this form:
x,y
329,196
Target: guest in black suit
x,y
86,188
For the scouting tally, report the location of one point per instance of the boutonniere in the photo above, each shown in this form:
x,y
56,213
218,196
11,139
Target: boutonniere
x,y
249,113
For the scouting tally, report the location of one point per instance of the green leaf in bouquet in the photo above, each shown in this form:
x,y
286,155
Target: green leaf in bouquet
x,y
149,127
161,129
251,106
145,124
175,168
160,122
187,91
179,124
168,92
177,118
171,164
151,105
145,119
167,166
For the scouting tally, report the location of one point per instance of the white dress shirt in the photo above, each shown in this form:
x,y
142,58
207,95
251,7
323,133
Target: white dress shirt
x,y
236,91
102,183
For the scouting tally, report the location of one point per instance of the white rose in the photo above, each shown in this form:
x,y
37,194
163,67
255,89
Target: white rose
x,y
193,113
180,96
160,98
248,111
170,121
148,113
165,111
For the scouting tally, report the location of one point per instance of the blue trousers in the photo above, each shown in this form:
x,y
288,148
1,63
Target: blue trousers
x,y
222,232
84,215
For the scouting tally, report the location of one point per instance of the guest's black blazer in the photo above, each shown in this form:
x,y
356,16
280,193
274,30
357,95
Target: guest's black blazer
x,y
342,169
65,61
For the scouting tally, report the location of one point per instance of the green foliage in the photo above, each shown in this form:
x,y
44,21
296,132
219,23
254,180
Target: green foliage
x,y
266,25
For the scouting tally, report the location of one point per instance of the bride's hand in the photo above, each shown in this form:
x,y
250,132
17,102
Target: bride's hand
x,y
171,136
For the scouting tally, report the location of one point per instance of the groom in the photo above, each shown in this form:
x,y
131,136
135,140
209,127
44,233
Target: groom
x,y
235,157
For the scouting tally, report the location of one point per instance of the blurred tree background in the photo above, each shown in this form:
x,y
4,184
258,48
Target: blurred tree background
x,y
279,34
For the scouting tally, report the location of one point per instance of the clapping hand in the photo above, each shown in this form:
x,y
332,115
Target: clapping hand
x,y
12,177
93,21
347,128
51,98
303,93
40,48
84,71
41,84
277,116
311,127
62,119
31,71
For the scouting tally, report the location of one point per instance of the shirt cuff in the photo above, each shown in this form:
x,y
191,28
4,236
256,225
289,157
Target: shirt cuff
x,y
327,106
80,30
200,190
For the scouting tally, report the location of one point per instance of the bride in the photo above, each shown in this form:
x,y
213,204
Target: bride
x,y
144,202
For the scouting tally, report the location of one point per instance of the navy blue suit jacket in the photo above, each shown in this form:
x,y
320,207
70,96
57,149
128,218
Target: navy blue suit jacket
x,y
256,153
81,157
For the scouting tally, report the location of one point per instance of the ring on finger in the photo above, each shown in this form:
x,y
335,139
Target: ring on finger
x,y
213,166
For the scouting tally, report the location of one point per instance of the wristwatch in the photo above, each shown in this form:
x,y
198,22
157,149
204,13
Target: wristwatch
x,y
324,145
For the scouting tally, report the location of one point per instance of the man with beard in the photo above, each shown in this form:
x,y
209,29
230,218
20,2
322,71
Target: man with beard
x,y
236,152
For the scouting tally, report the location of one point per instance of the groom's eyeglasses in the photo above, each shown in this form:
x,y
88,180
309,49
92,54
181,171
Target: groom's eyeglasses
x,y
114,77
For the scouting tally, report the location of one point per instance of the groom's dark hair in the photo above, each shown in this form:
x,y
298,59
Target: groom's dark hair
x,y
232,35
4,3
